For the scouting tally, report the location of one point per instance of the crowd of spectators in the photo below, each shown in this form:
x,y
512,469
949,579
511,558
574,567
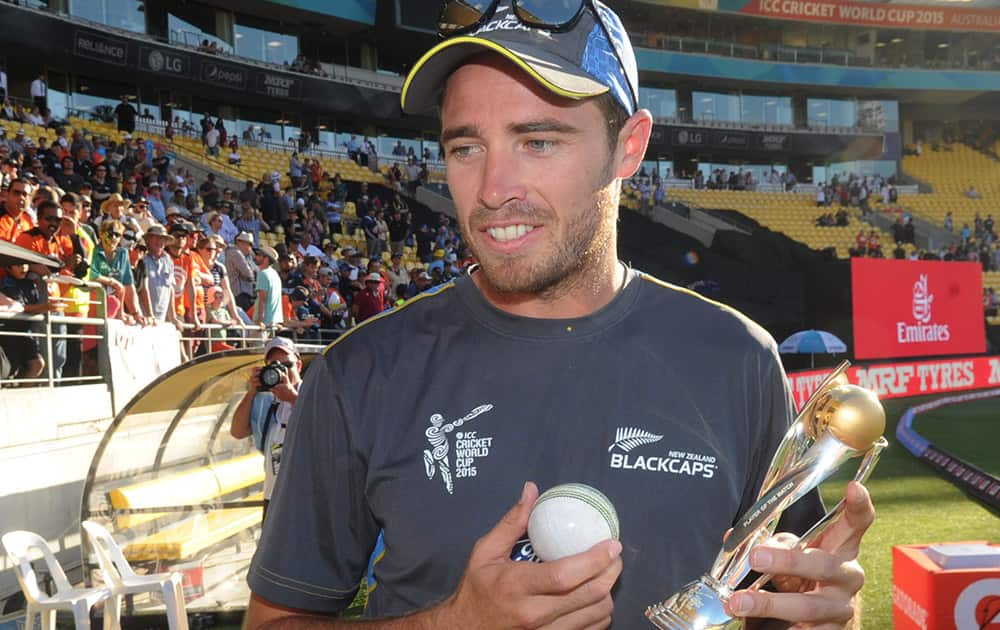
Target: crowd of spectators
x,y
168,251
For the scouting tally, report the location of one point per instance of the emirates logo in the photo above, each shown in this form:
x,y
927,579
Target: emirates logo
x,y
922,300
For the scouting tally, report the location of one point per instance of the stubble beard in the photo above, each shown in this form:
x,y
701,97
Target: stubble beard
x,y
566,264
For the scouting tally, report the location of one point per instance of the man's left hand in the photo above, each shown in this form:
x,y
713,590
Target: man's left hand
x,y
285,391
817,584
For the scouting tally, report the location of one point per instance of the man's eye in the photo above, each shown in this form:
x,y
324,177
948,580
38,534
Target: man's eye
x,y
462,151
540,145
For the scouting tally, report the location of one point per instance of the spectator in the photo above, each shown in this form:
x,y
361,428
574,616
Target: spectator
x,y
333,303
208,191
40,92
249,221
399,228
421,282
209,249
125,114
68,179
156,206
110,266
353,148
382,235
370,301
972,193
21,294
399,149
212,140
396,274
304,314
14,216
239,267
234,157
265,415
156,292
267,309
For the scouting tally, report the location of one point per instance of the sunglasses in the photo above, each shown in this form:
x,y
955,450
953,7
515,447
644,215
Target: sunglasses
x,y
114,234
558,16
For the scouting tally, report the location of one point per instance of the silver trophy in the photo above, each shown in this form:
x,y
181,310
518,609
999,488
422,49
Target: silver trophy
x,y
838,423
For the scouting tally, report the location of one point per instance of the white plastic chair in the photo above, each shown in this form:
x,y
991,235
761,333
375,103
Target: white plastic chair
x,y
121,580
76,600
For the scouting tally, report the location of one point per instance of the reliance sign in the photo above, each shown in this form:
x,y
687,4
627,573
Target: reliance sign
x,y
906,308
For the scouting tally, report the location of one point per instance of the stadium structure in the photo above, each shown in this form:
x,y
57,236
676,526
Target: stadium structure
x,y
798,94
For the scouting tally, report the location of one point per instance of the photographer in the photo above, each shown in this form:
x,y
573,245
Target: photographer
x,y
264,411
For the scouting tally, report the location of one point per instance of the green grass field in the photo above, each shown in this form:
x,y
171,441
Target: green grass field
x,y
912,503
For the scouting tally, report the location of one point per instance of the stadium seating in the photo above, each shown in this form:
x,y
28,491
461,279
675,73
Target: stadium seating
x,y
951,173
791,214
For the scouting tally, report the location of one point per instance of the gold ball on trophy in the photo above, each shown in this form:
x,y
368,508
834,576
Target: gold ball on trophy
x,y
852,414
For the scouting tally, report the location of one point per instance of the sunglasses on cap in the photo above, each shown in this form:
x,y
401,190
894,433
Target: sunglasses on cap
x,y
465,16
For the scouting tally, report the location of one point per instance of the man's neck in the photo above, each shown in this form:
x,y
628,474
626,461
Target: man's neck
x,y
590,292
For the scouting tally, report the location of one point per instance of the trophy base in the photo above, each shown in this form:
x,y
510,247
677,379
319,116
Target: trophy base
x,y
697,606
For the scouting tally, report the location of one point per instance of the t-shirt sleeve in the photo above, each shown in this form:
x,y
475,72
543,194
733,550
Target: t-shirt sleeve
x,y
127,279
264,282
314,549
777,412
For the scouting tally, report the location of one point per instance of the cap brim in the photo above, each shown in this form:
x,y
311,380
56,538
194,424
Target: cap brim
x,y
422,86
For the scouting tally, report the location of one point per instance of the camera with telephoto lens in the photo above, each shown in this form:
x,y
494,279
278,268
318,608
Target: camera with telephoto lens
x,y
270,375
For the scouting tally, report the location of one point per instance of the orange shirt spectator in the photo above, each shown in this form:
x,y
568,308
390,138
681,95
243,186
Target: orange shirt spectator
x,y
45,240
14,218
201,278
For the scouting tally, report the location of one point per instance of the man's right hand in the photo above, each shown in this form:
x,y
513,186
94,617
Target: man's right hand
x,y
496,592
254,381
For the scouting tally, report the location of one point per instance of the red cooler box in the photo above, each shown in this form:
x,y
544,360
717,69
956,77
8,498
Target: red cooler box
x,y
926,596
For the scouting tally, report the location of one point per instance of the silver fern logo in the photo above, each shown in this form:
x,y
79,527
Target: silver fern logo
x,y
672,461
627,438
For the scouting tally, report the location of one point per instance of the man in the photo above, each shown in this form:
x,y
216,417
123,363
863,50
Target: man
x,y
68,179
125,115
399,230
306,246
371,300
39,92
45,239
156,206
396,273
249,221
212,140
14,217
208,191
267,309
264,415
156,293
241,273
536,152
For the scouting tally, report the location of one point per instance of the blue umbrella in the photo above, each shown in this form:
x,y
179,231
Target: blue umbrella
x,y
812,342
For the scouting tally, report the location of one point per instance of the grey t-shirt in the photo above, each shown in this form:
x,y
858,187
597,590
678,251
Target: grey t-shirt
x,y
427,421
160,279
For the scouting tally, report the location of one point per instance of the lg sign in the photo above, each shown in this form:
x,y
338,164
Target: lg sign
x,y
905,308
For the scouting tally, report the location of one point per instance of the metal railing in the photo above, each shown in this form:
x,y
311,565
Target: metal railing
x,y
44,328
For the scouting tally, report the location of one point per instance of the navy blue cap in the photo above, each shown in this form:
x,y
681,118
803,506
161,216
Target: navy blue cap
x,y
577,64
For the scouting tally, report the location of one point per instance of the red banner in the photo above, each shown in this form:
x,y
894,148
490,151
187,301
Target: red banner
x,y
879,15
908,308
900,380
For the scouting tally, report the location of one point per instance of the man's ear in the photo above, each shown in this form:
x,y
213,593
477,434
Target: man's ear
x,y
632,143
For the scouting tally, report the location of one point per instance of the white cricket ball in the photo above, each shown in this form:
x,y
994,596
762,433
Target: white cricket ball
x,y
570,518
